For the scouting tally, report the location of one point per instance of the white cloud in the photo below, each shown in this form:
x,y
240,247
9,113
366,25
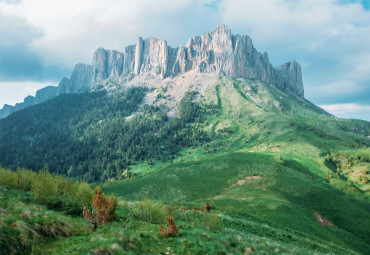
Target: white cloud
x,y
337,88
350,110
73,29
346,108
15,92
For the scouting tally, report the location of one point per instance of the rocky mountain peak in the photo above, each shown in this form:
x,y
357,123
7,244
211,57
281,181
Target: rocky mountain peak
x,y
222,29
218,52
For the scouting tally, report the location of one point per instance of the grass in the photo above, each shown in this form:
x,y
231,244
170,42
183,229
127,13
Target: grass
x,y
265,172
22,223
258,130
222,231
286,199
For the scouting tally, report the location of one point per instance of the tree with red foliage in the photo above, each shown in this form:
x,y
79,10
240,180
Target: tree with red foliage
x,y
207,208
103,211
171,228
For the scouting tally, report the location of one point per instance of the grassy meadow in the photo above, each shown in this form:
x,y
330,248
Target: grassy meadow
x,y
280,176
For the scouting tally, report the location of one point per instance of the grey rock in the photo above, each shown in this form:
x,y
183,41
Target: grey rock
x,y
99,66
64,86
129,59
80,81
138,55
29,101
289,78
106,63
218,52
114,63
6,110
81,78
43,95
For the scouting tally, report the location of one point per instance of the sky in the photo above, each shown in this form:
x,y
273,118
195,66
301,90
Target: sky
x,y
42,40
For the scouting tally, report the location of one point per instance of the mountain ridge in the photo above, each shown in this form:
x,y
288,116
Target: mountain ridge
x,y
218,52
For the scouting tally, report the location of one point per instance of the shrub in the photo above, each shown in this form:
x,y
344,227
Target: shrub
x,y
207,208
212,222
75,196
171,230
8,178
150,211
25,178
50,190
103,211
45,189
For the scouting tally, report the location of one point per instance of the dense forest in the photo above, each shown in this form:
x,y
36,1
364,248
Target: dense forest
x,y
86,135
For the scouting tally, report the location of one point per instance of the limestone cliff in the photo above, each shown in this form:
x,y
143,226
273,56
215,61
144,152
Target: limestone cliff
x,y
218,52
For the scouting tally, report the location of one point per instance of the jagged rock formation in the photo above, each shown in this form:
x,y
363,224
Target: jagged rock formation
x,y
218,52
42,95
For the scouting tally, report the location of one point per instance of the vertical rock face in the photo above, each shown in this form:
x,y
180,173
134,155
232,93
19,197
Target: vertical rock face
x,y
99,65
138,55
218,52
43,95
289,77
106,63
114,63
129,59
81,78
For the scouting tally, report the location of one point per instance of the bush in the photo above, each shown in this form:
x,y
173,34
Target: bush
x,y
50,190
8,178
171,230
75,196
150,211
45,189
103,211
25,178
212,222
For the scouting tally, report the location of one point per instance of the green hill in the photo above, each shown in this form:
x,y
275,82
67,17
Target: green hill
x,y
282,175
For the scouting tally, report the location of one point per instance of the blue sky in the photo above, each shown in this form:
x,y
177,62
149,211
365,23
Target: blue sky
x,y
41,40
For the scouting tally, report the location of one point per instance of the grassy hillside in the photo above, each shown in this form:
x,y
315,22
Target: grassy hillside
x,y
28,228
256,186
268,160
281,175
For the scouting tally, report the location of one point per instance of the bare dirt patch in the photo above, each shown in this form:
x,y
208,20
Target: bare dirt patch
x,y
272,148
322,221
244,181
248,178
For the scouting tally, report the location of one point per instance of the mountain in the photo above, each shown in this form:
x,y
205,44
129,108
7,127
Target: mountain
x,y
171,129
219,52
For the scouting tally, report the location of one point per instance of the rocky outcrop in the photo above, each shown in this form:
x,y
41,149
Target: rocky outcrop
x,y
80,81
218,52
289,78
42,95
106,63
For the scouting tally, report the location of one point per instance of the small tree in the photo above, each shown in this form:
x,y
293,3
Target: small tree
x,y
102,210
171,228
